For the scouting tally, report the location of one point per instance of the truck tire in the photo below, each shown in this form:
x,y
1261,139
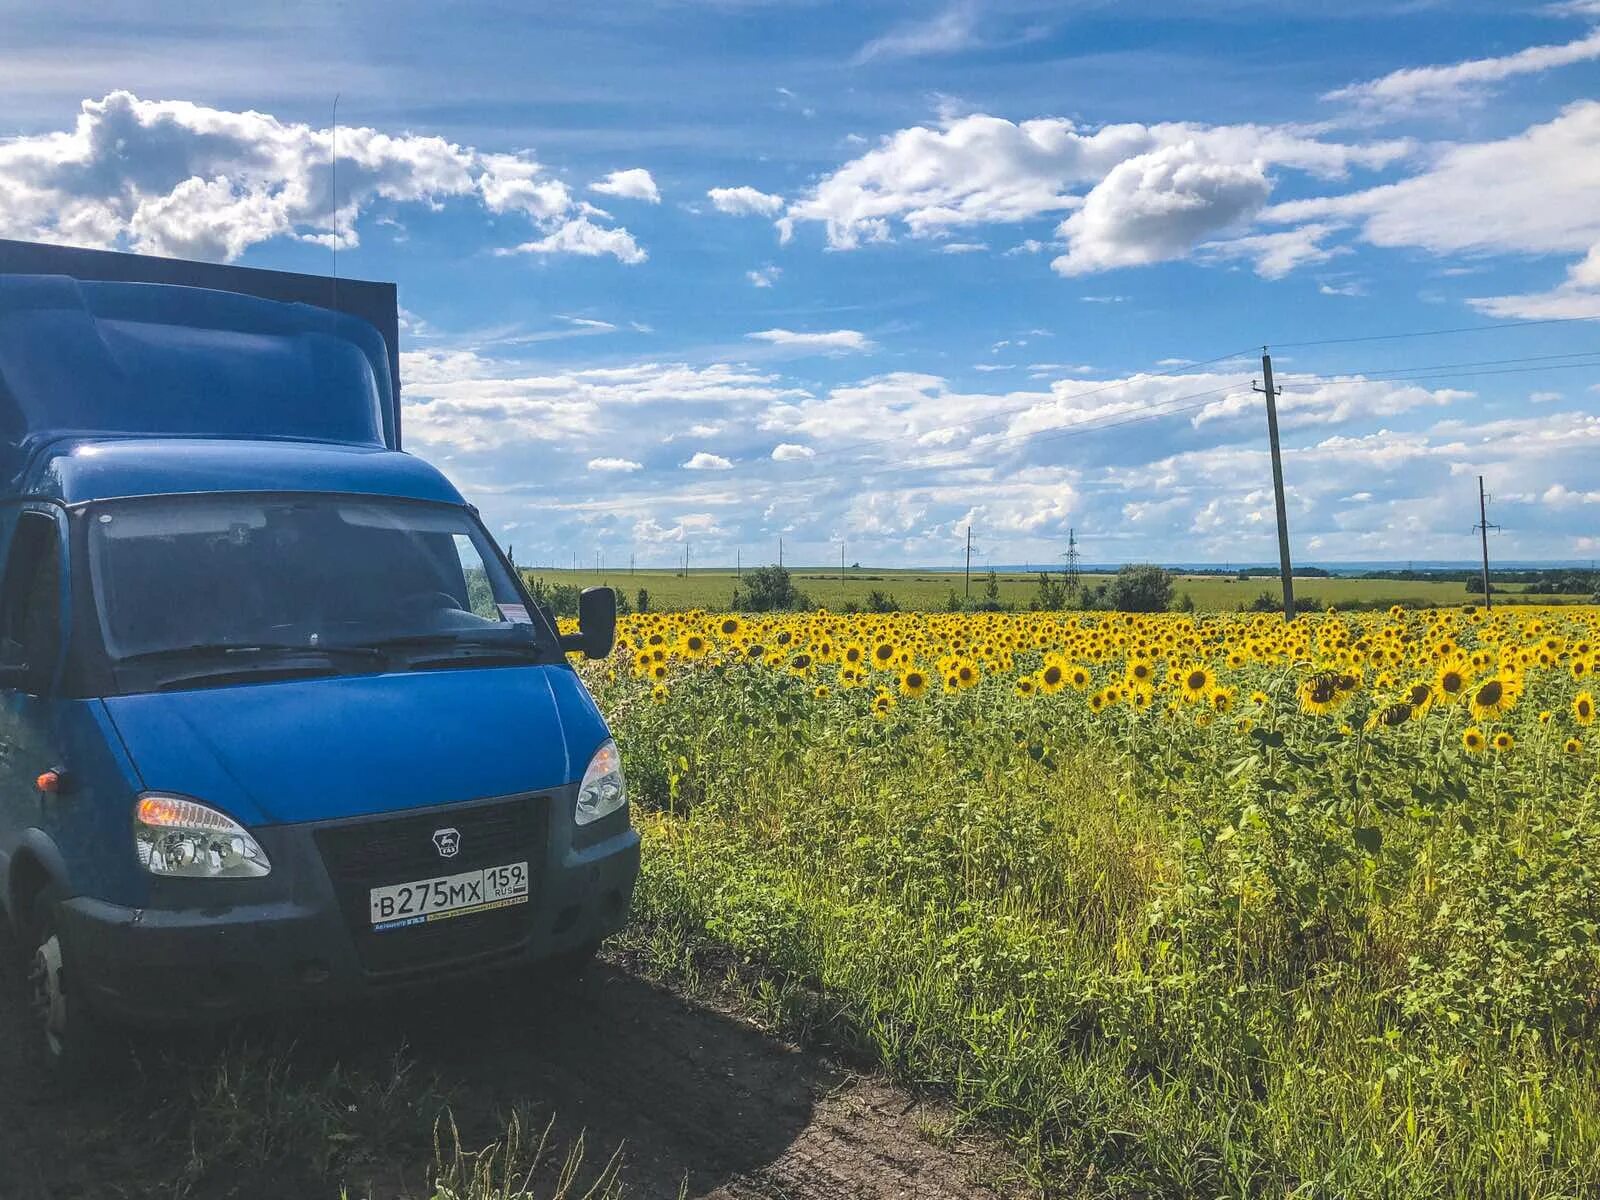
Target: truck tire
x,y
70,1044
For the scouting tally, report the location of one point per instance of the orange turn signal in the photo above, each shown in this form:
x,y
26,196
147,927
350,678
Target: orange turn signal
x,y
48,781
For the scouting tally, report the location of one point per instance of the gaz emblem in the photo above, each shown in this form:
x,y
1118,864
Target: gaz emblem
x,y
447,842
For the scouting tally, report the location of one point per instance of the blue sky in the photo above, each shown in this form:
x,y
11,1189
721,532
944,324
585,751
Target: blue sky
x,y
706,274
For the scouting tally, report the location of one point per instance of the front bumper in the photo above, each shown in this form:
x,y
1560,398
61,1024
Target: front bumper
x,y
300,936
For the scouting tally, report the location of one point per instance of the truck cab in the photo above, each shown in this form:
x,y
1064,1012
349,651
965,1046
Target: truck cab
x,y
279,724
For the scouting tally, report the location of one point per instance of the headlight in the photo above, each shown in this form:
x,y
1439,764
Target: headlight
x,y
181,837
602,790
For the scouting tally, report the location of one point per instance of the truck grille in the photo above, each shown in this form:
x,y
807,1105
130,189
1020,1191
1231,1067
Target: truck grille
x,y
363,855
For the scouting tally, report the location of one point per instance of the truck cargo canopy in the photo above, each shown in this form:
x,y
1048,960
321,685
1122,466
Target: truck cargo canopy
x,y
88,358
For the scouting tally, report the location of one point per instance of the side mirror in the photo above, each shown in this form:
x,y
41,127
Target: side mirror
x,y
597,623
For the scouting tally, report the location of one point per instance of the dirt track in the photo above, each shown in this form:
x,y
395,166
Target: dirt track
x,y
701,1103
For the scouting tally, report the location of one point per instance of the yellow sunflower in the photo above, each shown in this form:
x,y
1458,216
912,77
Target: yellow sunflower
x,y
1583,708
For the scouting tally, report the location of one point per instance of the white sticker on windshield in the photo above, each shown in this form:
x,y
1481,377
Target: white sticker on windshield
x,y
515,612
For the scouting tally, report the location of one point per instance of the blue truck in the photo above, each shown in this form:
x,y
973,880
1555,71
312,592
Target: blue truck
x,y
279,723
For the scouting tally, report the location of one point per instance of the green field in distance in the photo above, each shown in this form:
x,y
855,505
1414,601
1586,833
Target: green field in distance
x,y
712,588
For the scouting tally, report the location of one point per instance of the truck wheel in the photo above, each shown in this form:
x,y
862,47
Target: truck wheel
x,y
69,1041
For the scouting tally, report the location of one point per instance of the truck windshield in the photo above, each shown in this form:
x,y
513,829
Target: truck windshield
x,y
330,582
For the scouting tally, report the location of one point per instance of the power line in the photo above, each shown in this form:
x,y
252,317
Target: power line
x,y
1482,362
1420,333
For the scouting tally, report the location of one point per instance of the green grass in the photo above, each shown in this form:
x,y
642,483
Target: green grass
x,y
712,589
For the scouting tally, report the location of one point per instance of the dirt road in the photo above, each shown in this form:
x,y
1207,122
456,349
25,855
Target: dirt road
x,y
700,1103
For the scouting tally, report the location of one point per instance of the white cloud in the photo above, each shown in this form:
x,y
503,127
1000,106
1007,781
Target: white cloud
x,y
963,247
792,452
702,460
1348,288
945,33
1277,254
1531,193
1559,496
1459,81
763,277
615,464
745,202
1544,397
177,178
1577,296
1158,206
462,400
588,323
1153,190
584,237
837,339
633,184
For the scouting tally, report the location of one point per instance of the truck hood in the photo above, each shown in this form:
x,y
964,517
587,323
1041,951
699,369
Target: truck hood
x,y
352,745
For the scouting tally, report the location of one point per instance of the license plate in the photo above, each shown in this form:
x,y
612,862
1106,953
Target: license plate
x,y
406,904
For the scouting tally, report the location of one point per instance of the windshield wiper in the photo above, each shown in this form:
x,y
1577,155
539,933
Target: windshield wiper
x,y
249,650
466,648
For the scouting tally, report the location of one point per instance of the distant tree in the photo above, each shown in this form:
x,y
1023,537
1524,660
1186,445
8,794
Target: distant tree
x,y
770,589
952,602
561,598
1184,603
1141,587
991,593
642,603
879,601
1052,594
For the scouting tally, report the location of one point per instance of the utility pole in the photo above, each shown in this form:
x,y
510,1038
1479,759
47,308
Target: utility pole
x,y
738,563
1483,528
780,551
1070,569
968,571
1284,567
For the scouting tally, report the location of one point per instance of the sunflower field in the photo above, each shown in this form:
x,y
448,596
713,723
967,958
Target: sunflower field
x,y
1181,905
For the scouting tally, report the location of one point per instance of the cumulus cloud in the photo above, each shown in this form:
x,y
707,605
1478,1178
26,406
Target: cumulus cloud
x,y
703,460
583,237
615,464
763,277
792,452
836,339
1560,496
745,202
1135,193
177,178
633,184
1157,206
1460,81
